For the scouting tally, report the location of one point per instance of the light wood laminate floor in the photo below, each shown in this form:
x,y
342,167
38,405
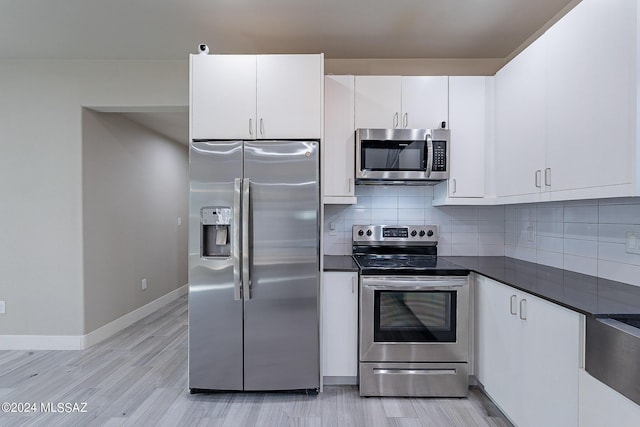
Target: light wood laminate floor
x,y
139,378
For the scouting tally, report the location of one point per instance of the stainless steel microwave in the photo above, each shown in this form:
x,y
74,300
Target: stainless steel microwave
x,y
386,155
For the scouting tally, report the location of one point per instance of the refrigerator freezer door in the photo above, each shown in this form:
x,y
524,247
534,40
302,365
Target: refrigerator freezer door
x,y
281,338
215,316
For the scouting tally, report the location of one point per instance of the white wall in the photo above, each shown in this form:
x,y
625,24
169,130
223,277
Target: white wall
x,y
464,230
415,66
41,273
135,187
587,236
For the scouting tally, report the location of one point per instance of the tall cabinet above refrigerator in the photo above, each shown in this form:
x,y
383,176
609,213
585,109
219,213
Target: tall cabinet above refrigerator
x,y
254,266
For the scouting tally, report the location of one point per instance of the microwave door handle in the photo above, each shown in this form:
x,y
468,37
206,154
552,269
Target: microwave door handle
x,y
429,155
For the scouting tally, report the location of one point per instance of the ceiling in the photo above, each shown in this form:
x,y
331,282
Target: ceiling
x,y
170,29
342,29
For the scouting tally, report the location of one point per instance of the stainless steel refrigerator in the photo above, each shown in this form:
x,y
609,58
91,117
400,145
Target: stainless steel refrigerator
x,y
254,265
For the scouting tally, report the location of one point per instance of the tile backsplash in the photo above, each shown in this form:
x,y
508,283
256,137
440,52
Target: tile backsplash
x,y
463,230
587,236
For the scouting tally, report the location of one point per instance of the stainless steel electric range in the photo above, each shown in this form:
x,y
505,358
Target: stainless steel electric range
x,y
413,314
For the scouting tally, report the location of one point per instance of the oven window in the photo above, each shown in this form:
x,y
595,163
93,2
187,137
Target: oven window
x,y
388,155
415,316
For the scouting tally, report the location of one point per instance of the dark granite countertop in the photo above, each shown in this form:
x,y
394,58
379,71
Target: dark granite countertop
x,y
589,295
586,294
339,263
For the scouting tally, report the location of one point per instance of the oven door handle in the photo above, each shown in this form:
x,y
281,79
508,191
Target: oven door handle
x,y
381,284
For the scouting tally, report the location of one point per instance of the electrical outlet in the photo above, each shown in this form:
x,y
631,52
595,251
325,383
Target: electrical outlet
x,y
144,284
333,229
633,242
179,220
2,307
531,234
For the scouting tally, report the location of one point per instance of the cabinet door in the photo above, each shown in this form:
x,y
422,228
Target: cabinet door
x,y
551,360
223,96
527,355
425,102
498,364
600,405
520,122
378,101
467,100
591,96
339,136
289,96
340,324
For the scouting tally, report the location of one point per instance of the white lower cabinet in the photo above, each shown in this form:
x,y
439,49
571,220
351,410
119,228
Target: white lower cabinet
x,y
527,355
600,405
340,327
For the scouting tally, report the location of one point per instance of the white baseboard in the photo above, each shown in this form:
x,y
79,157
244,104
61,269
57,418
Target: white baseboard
x,y
111,328
80,342
41,342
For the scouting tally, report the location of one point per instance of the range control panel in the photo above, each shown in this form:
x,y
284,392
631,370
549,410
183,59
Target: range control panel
x,y
405,234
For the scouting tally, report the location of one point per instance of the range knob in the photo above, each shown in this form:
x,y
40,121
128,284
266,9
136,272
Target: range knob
x,y
369,233
360,233
413,233
430,233
421,233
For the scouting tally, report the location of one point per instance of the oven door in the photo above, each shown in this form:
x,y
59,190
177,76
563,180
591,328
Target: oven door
x,y
414,319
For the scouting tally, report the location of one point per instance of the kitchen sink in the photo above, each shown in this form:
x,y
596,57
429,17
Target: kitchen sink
x,y
633,320
612,353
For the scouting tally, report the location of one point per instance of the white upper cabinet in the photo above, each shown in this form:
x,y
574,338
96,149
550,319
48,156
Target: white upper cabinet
x,y
468,119
394,102
378,102
256,97
591,97
339,140
223,96
565,109
289,96
425,102
520,123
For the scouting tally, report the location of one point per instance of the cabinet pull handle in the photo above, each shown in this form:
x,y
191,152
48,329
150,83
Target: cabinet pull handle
x,y
538,178
455,187
512,304
405,120
353,285
250,126
395,120
547,177
350,185
523,309
261,127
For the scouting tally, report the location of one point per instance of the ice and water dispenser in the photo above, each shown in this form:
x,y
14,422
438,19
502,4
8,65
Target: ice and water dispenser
x,y
216,231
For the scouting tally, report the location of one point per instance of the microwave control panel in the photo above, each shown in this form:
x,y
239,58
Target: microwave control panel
x,y
439,156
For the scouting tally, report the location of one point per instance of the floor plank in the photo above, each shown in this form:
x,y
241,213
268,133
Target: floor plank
x,y
139,378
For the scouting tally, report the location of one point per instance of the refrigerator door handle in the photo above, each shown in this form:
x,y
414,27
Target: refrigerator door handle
x,y
235,253
246,208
